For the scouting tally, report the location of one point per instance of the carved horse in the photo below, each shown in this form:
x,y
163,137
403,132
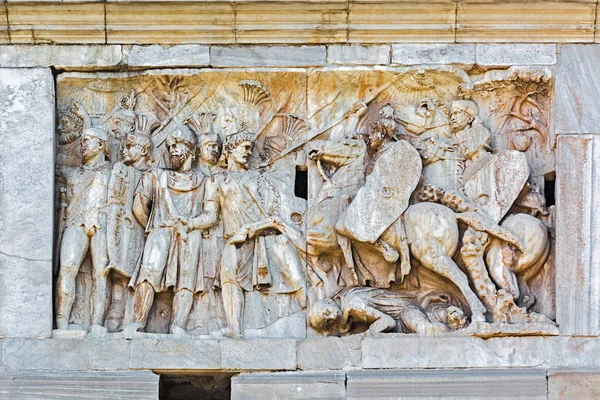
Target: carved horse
x,y
512,270
433,237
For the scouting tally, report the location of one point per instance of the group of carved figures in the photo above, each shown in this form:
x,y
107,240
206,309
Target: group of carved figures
x,y
419,186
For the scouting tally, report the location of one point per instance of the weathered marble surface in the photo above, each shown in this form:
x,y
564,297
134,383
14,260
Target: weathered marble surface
x,y
272,56
357,54
380,352
577,91
289,385
136,385
577,275
415,54
573,384
353,239
456,384
26,198
496,55
62,57
159,56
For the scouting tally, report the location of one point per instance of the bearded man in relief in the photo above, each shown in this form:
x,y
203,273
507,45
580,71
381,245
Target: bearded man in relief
x,y
165,201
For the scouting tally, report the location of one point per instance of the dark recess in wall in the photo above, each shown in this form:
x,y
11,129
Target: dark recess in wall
x,y
301,183
209,386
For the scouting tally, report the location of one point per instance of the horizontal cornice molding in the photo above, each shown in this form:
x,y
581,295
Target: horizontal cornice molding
x,y
296,22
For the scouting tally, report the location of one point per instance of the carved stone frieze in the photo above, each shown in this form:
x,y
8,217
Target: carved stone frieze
x,y
286,203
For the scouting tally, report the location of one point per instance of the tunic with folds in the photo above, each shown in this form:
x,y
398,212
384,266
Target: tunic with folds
x,y
171,254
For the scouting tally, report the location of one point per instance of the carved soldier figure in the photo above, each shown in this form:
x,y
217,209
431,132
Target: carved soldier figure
x,y
85,229
373,219
164,203
339,161
207,164
209,143
473,139
126,234
257,253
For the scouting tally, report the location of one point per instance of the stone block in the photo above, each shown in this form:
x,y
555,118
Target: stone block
x,y
27,198
59,22
176,56
289,327
508,54
329,353
455,352
263,354
522,384
577,235
62,57
412,54
175,354
573,384
70,385
574,352
25,297
576,97
268,56
289,385
65,354
525,21
357,54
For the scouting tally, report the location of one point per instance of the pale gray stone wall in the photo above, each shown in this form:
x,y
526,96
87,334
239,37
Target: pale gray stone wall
x,y
26,201
577,125
577,235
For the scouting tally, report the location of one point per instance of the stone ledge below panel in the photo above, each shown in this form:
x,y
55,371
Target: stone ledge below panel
x,y
385,352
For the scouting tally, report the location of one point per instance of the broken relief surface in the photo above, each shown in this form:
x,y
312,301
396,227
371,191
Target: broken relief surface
x,y
286,203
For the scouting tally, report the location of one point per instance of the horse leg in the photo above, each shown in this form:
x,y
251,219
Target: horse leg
x,y
499,270
439,262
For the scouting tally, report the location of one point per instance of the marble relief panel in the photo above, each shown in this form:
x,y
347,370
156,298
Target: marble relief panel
x,y
285,203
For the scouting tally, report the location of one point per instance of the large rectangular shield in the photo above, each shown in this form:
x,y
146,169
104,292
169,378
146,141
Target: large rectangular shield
x,y
495,186
125,234
385,194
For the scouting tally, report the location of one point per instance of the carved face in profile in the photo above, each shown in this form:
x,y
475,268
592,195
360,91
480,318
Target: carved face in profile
x,y
91,146
121,127
69,127
210,151
229,125
459,119
134,150
241,153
